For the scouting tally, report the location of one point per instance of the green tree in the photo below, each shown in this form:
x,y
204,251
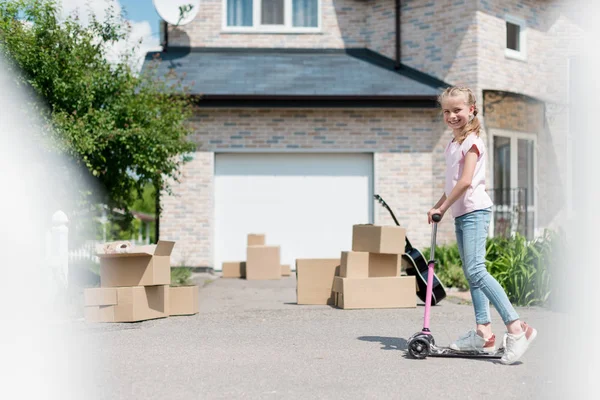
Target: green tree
x,y
127,129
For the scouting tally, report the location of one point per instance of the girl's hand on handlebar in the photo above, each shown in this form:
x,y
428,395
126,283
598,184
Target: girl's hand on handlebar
x,y
432,212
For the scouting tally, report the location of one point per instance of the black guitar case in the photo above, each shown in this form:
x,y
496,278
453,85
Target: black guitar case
x,y
417,266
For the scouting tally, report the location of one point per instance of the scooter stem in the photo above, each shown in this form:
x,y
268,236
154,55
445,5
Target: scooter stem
x,y
430,272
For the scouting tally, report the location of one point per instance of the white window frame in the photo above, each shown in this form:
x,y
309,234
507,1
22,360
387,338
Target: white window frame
x,y
514,137
257,28
522,53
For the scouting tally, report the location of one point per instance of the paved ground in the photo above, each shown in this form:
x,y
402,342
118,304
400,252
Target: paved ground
x,y
250,340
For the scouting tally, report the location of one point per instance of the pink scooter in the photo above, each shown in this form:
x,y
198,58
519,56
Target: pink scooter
x,y
422,344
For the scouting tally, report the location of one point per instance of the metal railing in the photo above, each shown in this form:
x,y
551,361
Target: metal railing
x,y
512,212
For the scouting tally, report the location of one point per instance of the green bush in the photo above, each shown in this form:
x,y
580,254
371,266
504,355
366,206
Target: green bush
x,y
520,266
180,276
448,266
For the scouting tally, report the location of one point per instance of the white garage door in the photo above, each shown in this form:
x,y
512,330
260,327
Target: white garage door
x,y
306,203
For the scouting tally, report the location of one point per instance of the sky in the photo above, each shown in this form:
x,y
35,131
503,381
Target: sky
x,y
141,14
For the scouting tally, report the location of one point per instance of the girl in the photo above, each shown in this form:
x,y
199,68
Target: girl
x,y
465,195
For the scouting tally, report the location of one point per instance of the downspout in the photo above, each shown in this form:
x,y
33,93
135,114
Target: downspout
x,y
165,43
398,17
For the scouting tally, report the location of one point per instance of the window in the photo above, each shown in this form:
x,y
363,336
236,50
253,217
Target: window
x,y
272,15
512,36
514,191
515,38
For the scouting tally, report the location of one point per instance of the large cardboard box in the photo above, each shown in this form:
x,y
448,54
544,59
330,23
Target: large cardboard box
x,y
314,280
134,304
354,264
100,296
256,239
234,269
384,292
184,300
378,239
142,266
263,262
286,270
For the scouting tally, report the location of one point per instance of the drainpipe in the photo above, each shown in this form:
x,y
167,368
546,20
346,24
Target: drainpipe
x,y
165,43
398,17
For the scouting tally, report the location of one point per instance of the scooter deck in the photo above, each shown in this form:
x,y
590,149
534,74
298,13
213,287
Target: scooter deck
x,y
436,351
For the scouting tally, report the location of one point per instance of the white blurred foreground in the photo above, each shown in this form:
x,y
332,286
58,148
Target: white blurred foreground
x,y
37,357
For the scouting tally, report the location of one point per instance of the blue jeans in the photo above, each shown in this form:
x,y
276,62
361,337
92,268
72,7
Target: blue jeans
x,y
471,233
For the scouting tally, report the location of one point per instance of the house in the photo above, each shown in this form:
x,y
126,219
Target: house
x,y
309,107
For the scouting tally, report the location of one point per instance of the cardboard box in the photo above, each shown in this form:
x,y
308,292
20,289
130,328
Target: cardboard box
x,y
314,280
142,266
256,239
381,265
354,264
134,304
140,303
360,264
263,262
378,239
184,300
100,296
384,292
234,269
286,270
99,313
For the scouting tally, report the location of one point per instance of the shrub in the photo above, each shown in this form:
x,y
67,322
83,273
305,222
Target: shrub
x,y
520,266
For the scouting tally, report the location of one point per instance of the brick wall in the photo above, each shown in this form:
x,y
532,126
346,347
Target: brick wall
x,y
187,216
404,143
513,112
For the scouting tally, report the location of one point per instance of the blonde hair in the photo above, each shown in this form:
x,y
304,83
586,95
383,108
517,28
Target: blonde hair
x,y
473,126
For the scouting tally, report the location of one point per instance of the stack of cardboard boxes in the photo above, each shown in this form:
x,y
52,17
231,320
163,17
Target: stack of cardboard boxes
x,y
366,277
135,286
262,262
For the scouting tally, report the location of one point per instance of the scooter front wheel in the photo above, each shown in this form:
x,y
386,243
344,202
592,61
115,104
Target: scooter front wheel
x,y
418,348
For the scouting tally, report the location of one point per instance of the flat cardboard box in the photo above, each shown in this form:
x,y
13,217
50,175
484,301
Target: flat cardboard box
x,y
314,280
141,303
378,239
286,270
100,296
263,262
184,300
134,304
384,292
99,313
354,264
256,239
381,265
142,266
234,269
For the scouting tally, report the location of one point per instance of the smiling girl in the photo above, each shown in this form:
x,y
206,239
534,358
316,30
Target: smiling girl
x,y
466,197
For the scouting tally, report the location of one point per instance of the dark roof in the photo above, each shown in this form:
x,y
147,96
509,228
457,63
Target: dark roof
x,y
350,74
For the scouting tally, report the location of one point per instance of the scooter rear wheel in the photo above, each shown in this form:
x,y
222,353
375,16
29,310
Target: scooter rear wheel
x,y
418,348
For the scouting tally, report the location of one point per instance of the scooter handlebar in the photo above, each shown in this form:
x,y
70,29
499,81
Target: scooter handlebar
x,y
436,217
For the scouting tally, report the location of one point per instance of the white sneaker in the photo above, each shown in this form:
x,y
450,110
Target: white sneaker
x,y
516,345
471,341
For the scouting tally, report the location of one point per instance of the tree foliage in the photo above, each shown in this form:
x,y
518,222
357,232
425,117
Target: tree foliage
x,y
126,129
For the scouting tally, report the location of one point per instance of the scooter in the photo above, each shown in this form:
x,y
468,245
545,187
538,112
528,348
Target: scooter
x,y
422,344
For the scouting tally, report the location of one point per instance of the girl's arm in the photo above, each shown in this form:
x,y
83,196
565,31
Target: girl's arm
x,y
463,183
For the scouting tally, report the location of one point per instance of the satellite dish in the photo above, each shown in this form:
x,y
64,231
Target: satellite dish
x,y
177,12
